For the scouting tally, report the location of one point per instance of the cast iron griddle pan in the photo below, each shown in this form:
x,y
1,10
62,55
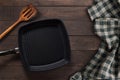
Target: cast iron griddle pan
x,y
44,45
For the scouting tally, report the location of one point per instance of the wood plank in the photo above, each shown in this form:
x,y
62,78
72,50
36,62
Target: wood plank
x,y
12,64
84,42
81,57
77,42
9,42
73,27
46,2
18,73
80,29
63,13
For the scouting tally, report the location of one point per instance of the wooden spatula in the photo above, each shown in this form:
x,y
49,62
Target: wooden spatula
x,y
26,14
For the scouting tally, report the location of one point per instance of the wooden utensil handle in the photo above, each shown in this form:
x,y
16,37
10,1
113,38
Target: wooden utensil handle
x,y
9,29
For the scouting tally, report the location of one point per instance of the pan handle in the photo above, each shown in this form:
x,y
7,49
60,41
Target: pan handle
x,y
11,51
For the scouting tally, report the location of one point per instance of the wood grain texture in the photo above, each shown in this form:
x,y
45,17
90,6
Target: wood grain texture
x,y
76,58
46,2
12,63
73,27
63,13
77,42
84,43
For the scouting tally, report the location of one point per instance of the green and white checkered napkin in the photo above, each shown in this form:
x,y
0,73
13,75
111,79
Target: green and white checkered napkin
x,y
105,65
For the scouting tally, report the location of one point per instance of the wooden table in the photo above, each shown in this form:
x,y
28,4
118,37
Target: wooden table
x,y
84,42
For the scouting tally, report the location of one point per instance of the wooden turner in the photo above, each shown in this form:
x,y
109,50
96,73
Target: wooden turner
x,y
26,14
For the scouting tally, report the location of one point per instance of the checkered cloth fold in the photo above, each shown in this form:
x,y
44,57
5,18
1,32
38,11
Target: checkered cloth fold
x,y
104,9
105,65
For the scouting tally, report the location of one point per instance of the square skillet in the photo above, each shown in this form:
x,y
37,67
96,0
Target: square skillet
x,y
44,45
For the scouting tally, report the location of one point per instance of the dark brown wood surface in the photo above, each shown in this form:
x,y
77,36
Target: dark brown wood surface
x,y
83,41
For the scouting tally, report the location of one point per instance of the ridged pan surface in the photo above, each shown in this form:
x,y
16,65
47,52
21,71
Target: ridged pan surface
x,y
44,45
